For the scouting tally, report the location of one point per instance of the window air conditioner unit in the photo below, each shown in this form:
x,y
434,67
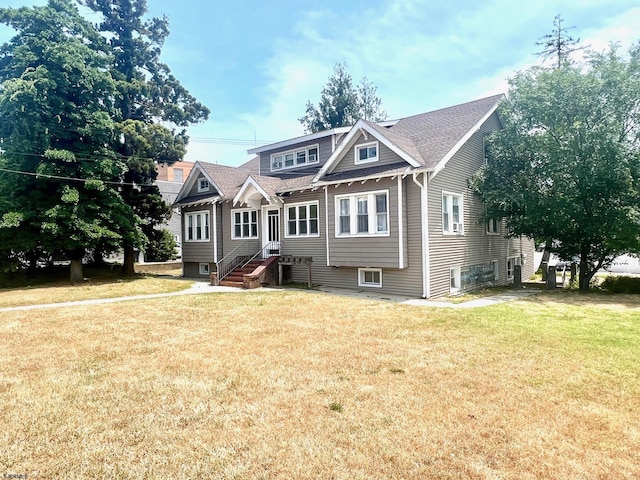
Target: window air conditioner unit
x,y
457,227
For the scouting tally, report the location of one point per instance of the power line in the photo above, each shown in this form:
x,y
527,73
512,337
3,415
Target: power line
x,y
59,177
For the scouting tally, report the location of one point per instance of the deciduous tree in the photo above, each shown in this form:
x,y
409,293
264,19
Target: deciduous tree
x,y
566,166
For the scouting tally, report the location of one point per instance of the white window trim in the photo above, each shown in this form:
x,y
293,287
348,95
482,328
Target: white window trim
x,y
496,270
201,188
295,151
361,281
296,205
233,224
353,214
455,271
207,237
356,153
449,229
203,268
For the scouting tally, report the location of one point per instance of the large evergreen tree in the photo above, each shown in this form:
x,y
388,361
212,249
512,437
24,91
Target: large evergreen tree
x,y
566,166
149,97
343,104
56,106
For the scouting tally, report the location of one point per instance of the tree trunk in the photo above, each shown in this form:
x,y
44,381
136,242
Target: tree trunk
x,y
76,275
128,268
585,272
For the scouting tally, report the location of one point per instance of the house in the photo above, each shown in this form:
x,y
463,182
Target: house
x,y
381,206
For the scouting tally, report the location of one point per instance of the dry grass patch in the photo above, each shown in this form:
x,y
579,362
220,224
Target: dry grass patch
x,y
92,288
305,385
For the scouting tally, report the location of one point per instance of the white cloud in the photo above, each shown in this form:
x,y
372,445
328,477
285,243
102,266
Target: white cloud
x,y
420,54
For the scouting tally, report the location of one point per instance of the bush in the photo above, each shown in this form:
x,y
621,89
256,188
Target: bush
x,y
619,284
161,248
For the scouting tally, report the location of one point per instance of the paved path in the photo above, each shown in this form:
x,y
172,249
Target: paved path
x,y
203,287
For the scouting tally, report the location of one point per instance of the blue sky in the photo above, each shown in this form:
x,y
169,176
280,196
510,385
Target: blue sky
x,y
256,63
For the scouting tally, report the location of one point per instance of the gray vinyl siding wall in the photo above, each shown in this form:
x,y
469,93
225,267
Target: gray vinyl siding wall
x,y
386,156
475,247
407,281
197,251
376,251
229,244
306,246
193,192
324,152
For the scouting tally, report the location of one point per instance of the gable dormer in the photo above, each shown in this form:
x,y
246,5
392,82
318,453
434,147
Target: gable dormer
x,y
369,147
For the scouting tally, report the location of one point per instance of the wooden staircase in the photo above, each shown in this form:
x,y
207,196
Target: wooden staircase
x,y
236,277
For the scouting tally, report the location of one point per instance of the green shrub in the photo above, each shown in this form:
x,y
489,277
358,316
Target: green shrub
x,y
161,247
619,284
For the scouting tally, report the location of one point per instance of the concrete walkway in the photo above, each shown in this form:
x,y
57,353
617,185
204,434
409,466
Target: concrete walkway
x,y
198,288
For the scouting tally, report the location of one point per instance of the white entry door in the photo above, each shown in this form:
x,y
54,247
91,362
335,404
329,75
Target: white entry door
x,y
271,229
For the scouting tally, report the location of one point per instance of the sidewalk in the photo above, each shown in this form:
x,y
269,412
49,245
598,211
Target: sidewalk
x,y
204,287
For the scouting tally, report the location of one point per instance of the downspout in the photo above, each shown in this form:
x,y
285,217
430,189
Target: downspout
x,y
326,222
424,214
182,237
215,231
400,225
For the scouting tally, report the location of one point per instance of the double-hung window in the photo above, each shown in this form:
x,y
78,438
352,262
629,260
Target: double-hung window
x,y
366,153
493,226
245,223
197,226
302,220
452,214
362,214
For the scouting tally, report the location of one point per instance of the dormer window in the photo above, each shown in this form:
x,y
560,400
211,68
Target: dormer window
x,y
366,153
294,158
203,185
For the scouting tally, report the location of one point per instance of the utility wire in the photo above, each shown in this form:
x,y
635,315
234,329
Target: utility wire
x,y
59,177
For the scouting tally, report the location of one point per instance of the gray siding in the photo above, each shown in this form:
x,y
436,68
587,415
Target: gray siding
x,y
366,251
229,244
193,192
386,156
191,269
407,281
325,150
197,251
475,247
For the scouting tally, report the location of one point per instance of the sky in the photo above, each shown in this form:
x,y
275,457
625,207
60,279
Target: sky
x,y
255,64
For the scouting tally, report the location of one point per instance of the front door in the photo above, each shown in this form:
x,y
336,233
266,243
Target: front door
x,y
271,229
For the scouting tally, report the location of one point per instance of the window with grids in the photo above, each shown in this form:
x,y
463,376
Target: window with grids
x,y
452,214
197,227
245,223
203,185
294,158
370,277
362,214
302,220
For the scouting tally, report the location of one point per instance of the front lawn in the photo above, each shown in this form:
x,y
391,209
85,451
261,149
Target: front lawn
x,y
94,287
305,385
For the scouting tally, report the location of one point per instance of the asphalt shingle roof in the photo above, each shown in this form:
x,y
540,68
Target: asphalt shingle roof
x,y
434,134
427,138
